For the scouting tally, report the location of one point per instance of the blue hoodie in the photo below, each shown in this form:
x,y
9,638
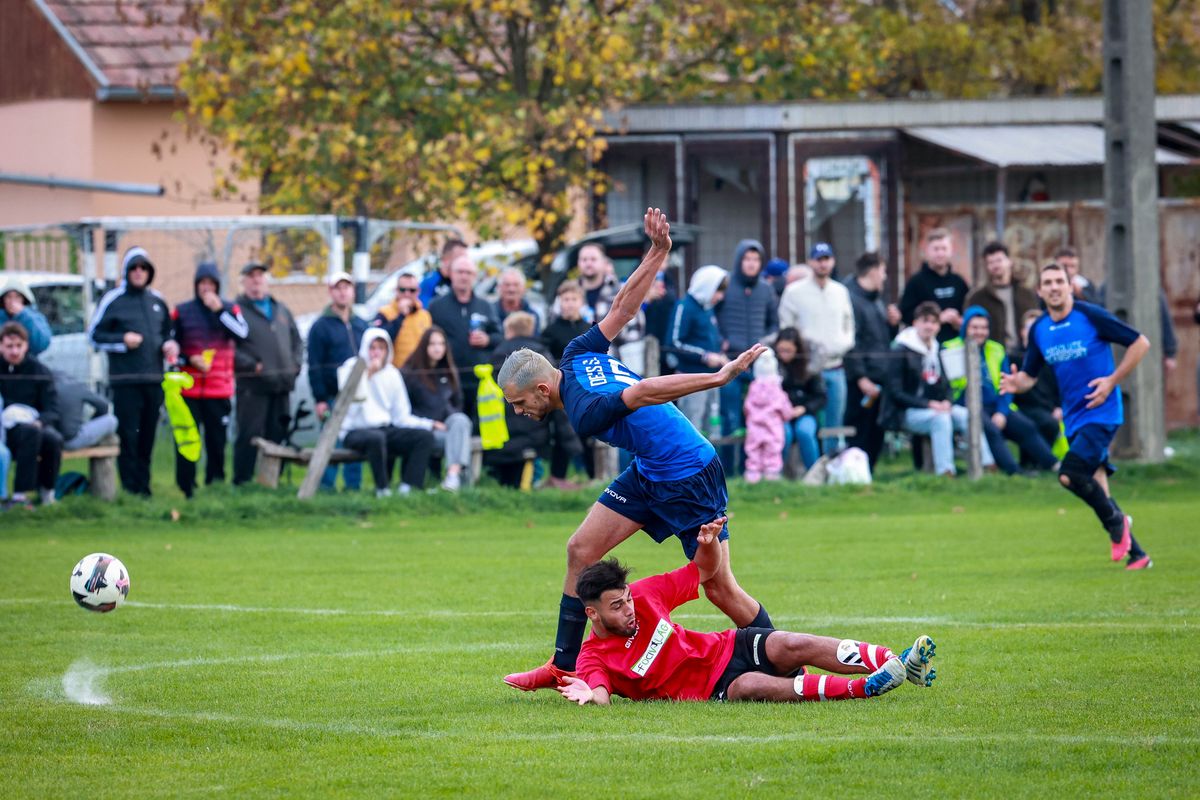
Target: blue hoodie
x,y
694,331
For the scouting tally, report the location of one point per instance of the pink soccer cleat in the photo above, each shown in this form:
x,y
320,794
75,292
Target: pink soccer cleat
x,y
1142,563
1120,548
547,676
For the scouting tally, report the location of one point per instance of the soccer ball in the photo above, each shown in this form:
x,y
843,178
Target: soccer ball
x,y
99,582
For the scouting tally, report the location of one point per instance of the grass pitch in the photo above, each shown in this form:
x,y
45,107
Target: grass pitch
x,y
342,648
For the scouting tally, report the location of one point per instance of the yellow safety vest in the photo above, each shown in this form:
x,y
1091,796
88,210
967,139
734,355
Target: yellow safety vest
x,y
187,435
493,430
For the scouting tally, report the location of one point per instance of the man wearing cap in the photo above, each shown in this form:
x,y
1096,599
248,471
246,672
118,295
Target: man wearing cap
x,y
334,338
266,363
132,324
17,305
775,273
821,310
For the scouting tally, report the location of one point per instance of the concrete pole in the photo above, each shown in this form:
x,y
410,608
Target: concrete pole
x,y
974,409
361,263
1131,197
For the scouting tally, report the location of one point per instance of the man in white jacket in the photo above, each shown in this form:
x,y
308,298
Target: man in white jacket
x,y
380,422
821,310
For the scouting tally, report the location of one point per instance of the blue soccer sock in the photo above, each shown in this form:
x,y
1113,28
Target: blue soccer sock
x,y
572,621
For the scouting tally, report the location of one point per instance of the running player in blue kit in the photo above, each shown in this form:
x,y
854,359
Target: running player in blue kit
x,y
675,483
1075,339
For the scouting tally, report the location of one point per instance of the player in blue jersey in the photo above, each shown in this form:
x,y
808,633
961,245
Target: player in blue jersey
x,y
1075,339
675,483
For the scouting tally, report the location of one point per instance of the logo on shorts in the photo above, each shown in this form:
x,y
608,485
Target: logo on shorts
x,y
662,632
619,498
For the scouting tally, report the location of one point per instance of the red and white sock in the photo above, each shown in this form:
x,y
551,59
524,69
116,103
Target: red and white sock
x,y
829,687
863,654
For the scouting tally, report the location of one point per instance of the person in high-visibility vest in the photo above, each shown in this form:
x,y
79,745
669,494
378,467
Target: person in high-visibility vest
x,y
1001,419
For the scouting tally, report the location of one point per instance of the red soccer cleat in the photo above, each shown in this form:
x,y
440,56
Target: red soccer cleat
x,y
1120,548
1142,563
547,676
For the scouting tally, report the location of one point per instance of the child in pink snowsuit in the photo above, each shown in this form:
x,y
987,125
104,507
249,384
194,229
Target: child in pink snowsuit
x,y
767,411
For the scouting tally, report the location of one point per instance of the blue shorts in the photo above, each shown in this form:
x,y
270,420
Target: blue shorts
x,y
1090,444
671,508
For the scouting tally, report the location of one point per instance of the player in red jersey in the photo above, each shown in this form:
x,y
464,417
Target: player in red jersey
x,y
637,652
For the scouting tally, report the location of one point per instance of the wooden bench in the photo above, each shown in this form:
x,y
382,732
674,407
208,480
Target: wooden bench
x,y
272,457
102,469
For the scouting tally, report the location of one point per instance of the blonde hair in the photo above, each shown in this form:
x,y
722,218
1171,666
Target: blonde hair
x,y
935,234
523,369
519,323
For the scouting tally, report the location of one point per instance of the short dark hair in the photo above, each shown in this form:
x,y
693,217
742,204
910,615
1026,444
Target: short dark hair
x,y
450,245
927,309
599,578
867,262
14,329
1055,265
1066,251
994,247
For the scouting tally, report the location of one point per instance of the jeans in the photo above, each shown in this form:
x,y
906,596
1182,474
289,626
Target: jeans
x,y
92,432
835,406
37,452
455,441
5,461
696,407
803,431
940,428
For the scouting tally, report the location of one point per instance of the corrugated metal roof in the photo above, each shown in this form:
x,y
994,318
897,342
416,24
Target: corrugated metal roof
x,y
1028,145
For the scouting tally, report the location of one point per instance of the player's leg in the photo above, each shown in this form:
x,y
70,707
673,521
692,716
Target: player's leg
x,y
1127,545
1084,472
601,531
724,592
791,652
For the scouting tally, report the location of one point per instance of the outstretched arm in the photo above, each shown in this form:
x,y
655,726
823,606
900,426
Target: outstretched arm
x,y
577,691
629,299
666,388
1016,382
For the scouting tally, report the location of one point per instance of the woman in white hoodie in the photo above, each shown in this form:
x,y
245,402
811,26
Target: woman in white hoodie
x,y
380,422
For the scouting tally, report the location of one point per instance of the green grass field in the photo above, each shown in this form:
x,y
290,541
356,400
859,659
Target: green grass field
x,y
339,648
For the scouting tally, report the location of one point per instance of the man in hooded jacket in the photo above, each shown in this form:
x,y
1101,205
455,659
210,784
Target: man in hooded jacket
x,y
696,339
132,324
749,312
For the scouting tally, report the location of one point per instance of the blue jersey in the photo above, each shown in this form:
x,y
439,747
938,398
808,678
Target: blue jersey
x,y
1079,349
664,443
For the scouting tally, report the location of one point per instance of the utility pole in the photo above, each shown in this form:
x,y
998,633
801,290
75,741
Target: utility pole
x,y
1131,198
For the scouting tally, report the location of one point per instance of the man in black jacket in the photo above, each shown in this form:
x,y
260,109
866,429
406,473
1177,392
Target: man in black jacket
x,y
749,312
472,330
132,324
266,364
35,442
524,433
937,282
867,363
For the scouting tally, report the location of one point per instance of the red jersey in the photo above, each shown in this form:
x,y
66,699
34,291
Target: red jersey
x,y
662,661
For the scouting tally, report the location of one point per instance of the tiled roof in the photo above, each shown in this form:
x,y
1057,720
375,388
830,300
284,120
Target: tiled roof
x,y
128,44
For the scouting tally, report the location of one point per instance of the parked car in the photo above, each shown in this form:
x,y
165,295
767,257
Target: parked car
x,y
60,297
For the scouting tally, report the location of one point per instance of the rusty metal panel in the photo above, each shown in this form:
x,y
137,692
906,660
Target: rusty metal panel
x,y
1179,243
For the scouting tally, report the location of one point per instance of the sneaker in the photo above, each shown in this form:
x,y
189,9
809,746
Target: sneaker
x,y
382,493
452,482
1141,563
886,678
916,661
403,490
47,496
544,677
1120,548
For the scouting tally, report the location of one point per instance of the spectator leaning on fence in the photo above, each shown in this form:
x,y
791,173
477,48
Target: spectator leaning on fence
x,y
435,393
77,432
267,362
30,415
17,305
936,282
470,325
805,390
696,340
132,324
380,422
405,319
747,315
207,328
334,338
918,393
820,309
1002,297
867,363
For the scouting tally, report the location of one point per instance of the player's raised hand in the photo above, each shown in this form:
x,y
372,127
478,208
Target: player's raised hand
x,y
741,363
709,531
658,229
1010,383
576,690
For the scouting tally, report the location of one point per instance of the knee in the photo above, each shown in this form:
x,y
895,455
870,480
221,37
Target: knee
x,y
1064,479
581,552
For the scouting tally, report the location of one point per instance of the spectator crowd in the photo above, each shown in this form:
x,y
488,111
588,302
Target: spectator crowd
x,y
844,368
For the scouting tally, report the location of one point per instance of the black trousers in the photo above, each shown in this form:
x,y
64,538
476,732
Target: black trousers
x,y
37,453
136,406
868,434
382,445
262,414
212,416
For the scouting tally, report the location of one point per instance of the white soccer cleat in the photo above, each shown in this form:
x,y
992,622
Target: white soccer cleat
x,y
916,661
886,678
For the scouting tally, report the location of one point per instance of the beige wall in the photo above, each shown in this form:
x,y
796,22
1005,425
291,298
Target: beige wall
x,y
49,137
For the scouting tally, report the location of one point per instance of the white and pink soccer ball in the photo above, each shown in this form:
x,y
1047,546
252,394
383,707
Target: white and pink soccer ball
x,y
99,582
